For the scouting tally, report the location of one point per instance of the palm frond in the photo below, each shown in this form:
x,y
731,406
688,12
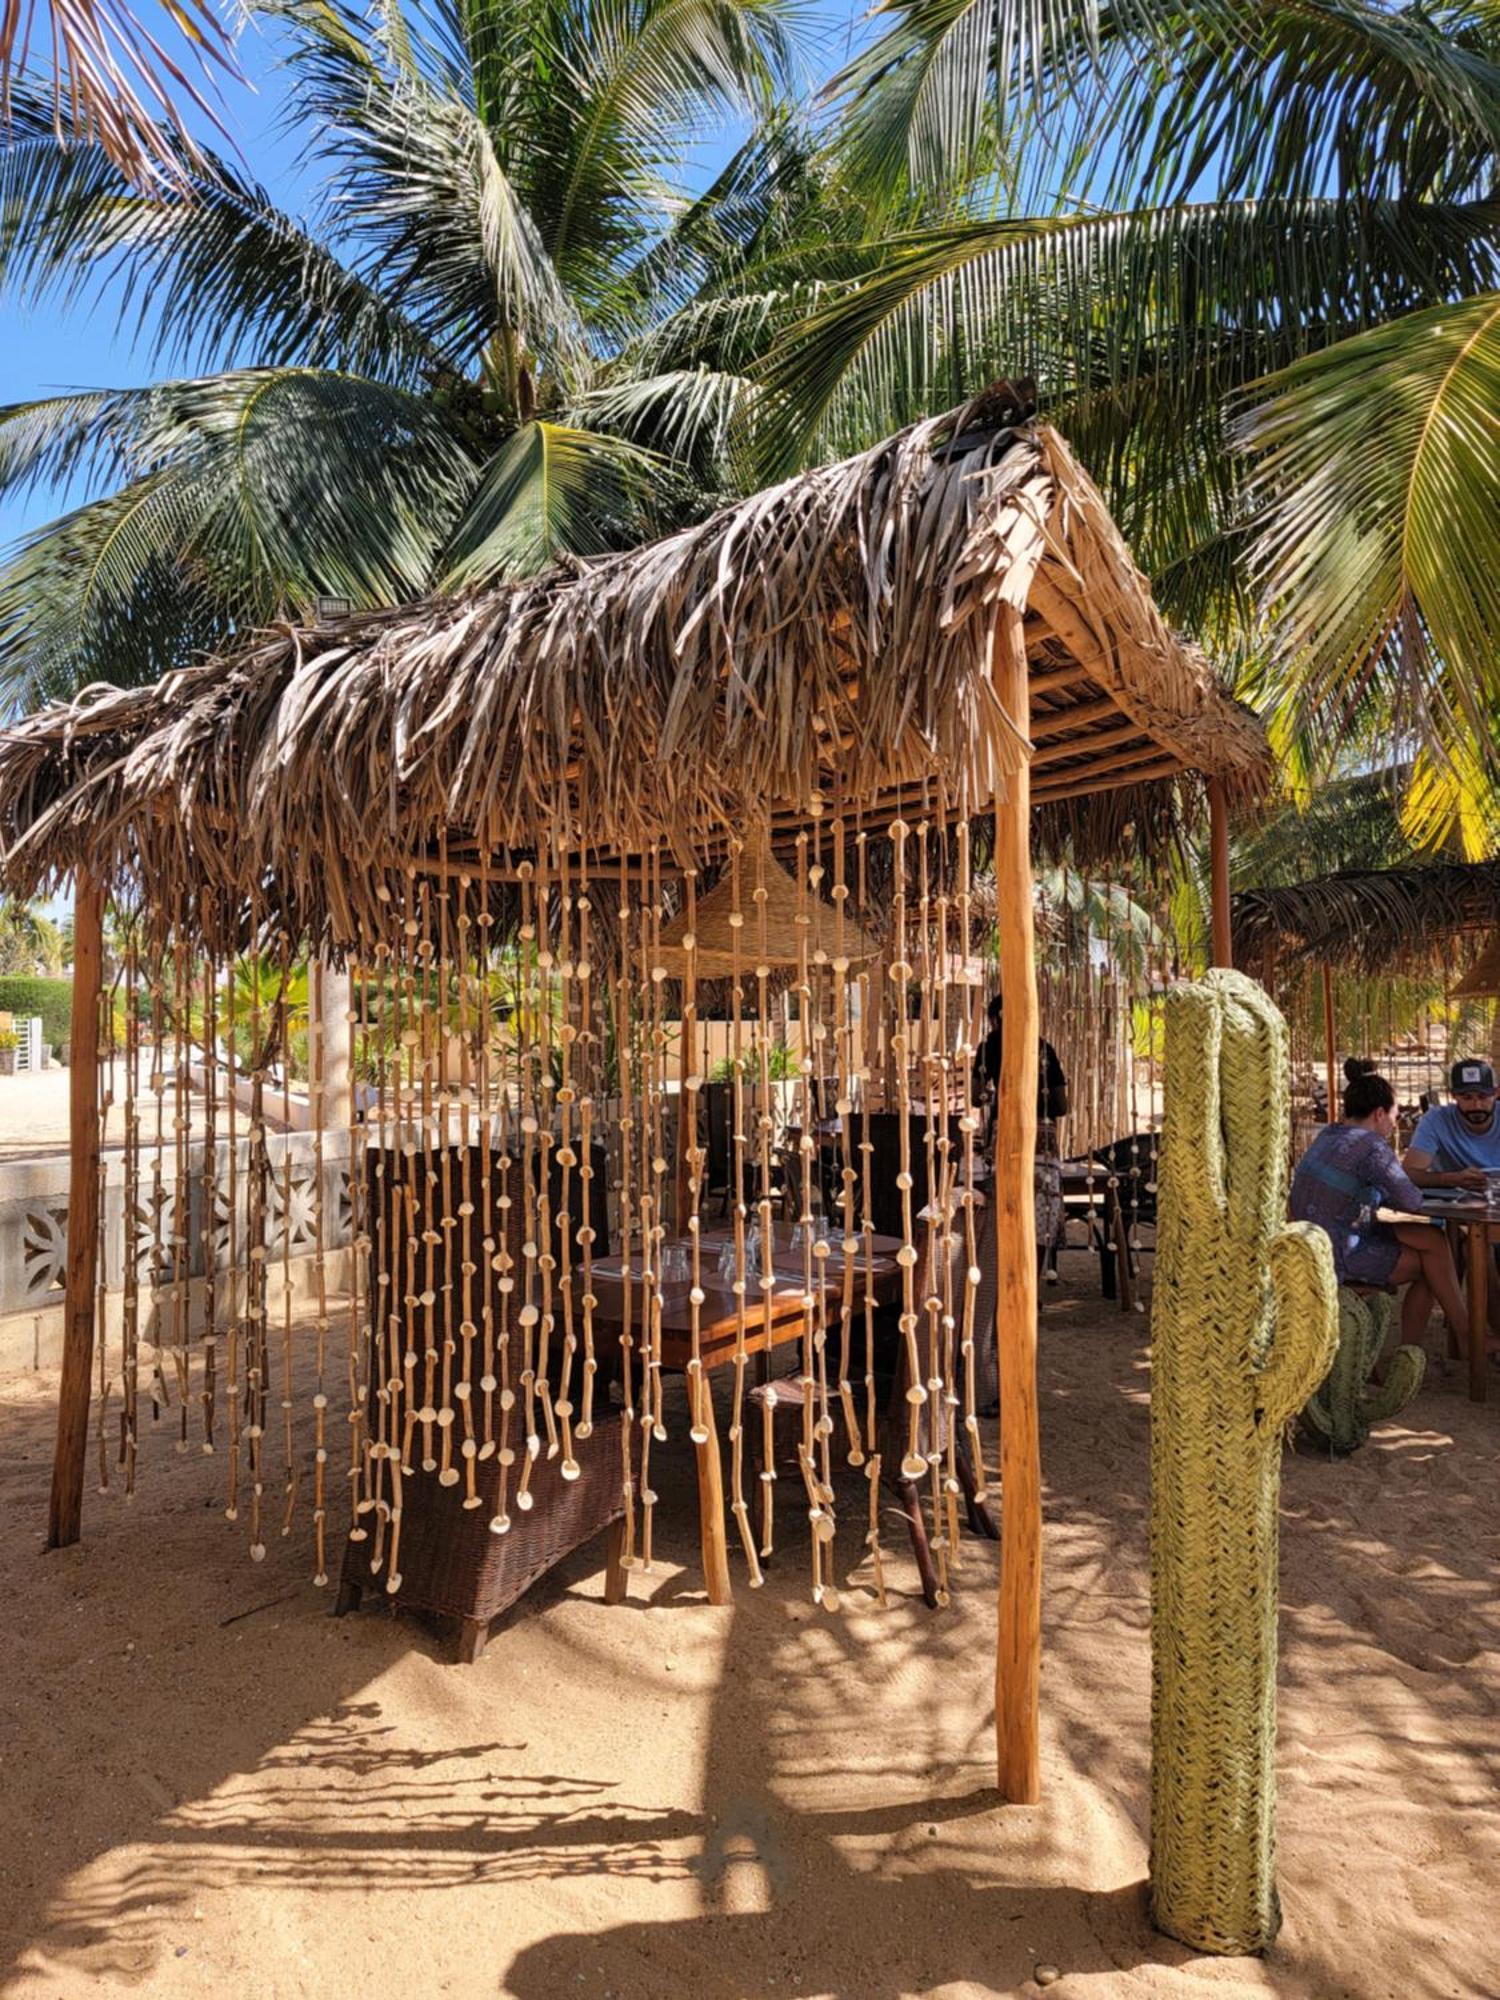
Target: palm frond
x,y
201,269
690,415
118,87
1299,97
1199,296
1378,468
422,187
1453,801
553,490
659,67
257,491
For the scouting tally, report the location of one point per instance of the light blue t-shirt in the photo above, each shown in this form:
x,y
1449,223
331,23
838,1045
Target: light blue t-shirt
x,y
1451,1145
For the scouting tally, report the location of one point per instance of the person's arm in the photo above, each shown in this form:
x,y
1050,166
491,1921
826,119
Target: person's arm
x,y
1057,1083
1418,1166
1400,1189
1419,1162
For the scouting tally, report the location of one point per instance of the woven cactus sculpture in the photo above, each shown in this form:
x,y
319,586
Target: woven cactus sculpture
x,y
1340,1413
1243,1328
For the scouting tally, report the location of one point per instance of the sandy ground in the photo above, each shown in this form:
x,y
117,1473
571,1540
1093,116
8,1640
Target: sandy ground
x,y
34,1112
210,1786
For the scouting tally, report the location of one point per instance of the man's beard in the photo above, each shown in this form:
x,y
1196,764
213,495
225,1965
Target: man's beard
x,y
1479,1120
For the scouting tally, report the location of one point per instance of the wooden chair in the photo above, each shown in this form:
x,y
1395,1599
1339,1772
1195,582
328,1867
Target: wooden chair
x,y
883,1163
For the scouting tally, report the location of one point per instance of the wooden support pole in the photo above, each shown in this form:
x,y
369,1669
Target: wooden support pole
x,y
65,1508
1019,1655
331,997
1218,844
1330,1048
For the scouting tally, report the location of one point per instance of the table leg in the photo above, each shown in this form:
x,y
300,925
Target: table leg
x,y
713,1530
1479,1288
616,1581
1122,1255
1119,1237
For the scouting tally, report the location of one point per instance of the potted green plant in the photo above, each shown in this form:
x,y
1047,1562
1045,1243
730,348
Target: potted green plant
x,y
9,1042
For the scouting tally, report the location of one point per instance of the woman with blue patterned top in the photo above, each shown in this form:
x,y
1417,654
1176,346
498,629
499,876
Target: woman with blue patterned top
x,y
1345,1175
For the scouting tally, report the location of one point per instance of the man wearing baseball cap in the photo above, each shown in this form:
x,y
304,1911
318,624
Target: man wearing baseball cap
x,y
1455,1145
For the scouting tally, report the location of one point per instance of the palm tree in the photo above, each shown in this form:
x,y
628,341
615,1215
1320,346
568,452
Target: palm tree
x,y
1207,229
439,380
30,941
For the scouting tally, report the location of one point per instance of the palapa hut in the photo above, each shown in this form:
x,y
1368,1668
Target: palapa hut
x,y
1368,919
489,808
1343,952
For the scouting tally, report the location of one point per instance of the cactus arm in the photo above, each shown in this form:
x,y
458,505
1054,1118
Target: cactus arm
x,y
1306,1339
1403,1378
1255,1104
1347,1404
1193,1142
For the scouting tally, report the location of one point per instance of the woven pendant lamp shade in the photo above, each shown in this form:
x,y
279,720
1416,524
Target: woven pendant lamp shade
x,y
1482,980
789,918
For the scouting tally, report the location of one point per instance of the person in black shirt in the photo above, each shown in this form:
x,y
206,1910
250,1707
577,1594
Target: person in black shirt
x,y
1052,1084
1051,1105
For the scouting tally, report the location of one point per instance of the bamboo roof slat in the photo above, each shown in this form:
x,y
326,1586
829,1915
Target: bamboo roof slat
x,y
1071,785
1089,748
1049,722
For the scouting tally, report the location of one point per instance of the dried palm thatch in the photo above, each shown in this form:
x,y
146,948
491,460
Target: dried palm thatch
x,y
775,923
827,642
1370,920
1482,980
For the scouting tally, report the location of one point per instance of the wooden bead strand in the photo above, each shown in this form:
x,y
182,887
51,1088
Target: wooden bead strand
x,y
290,1468
208,1178
131,1173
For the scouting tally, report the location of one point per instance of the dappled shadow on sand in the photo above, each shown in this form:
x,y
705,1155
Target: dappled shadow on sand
x,y
666,1799
827,1871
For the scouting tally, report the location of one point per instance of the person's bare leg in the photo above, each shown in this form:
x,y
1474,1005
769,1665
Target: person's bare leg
x,y
1437,1273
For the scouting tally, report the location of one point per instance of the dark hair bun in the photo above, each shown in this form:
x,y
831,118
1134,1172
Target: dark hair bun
x,y
1357,1066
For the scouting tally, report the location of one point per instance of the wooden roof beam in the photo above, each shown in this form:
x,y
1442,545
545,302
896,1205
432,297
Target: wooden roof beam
x,y
1124,731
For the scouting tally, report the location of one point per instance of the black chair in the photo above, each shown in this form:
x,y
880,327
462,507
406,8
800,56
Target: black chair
x,y
1131,1163
883,1164
718,1169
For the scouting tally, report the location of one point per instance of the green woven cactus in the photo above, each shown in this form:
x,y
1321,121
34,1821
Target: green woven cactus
x,y
1341,1413
1243,1327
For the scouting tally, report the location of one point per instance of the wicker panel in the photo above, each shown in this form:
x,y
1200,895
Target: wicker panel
x,y
452,1562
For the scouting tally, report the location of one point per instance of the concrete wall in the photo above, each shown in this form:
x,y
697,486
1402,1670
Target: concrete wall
x,y
172,1252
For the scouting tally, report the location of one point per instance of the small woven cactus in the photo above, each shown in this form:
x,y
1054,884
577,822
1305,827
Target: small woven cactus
x,y
1243,1326
1341,1413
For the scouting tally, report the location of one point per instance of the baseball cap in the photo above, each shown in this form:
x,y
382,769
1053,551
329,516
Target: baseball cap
x,y
1471,1075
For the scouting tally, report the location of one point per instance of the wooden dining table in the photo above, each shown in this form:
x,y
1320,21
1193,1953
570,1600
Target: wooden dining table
x,y
1481,1226
773,1317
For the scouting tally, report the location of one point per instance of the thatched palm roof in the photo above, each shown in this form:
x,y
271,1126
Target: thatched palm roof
x,y
829,637
1371,920
1482,980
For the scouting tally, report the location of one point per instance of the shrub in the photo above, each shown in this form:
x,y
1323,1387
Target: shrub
x,y
24,993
